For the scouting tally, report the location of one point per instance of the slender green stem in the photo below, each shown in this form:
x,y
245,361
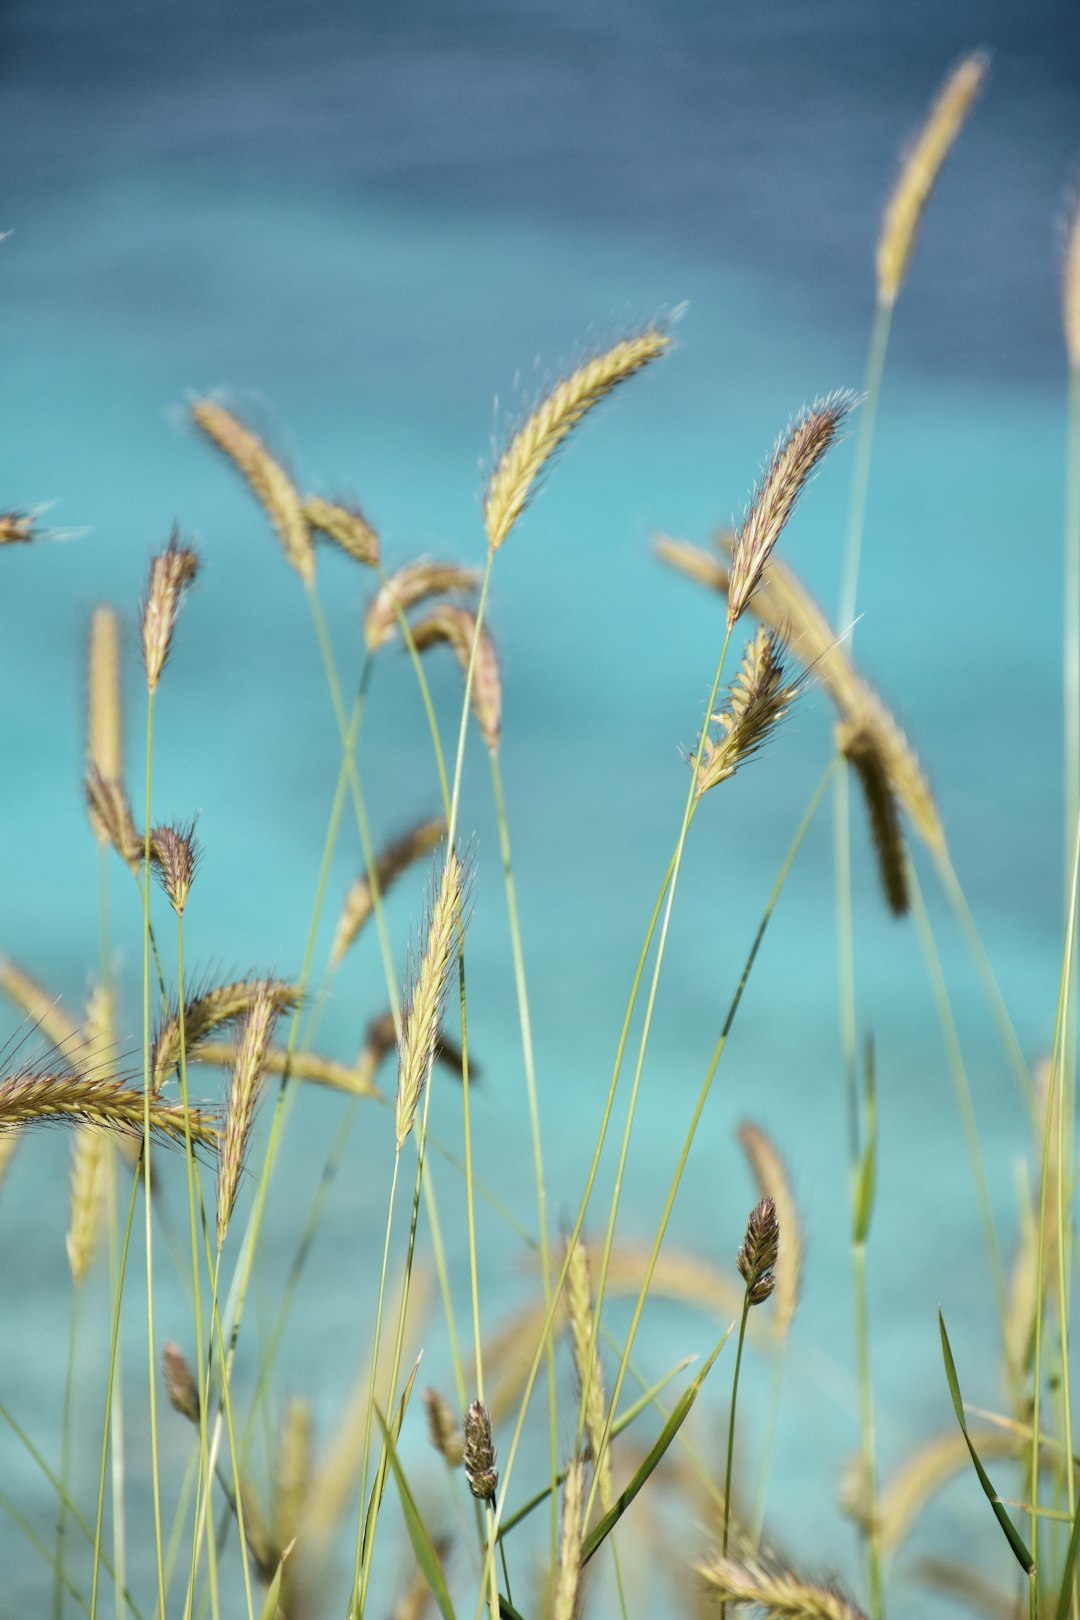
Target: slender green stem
x,y
866,1415
361,1549
116,1421
60,1582
860,481
731,1429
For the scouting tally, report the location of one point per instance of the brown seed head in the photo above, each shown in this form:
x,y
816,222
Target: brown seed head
x,y
171,572
270,483
180,1385
255,1036
760,1247
758,699
175,855
346,526
443,1429
390,863
111,818
104,729
771,1175
416,582
456,627
512,483
920,170
796,455
858,743
421,1017
479,1453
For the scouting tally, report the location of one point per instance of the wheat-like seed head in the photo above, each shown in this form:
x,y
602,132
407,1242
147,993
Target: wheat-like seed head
x,y
307,1066
255,1035
270,483
479,1453
758,699
390,863
345,526
104,721
416,582
568,1570
859,746
41,1008
175,855
444,1431
777,1592
514,479
171,572
180,1384
63,1097
770,1173
207,1012
579,1306
920,170
111,818
758,1253
794,458
456,627
422,1015
90,1149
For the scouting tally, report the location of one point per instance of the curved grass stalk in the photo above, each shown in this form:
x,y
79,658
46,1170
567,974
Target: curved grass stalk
x,y
60,1581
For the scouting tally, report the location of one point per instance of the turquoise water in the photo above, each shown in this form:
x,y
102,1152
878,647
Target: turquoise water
x,y
366,273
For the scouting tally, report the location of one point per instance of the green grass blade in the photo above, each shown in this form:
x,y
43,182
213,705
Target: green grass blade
x,y
600,1532
273,1592
866,1187
1065,1595
422,1544
1012,1535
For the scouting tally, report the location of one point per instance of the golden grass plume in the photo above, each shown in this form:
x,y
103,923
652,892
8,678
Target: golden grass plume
x,y
301,1065
175,856
251,1049
104,719
771,1174
390,863
568,1569
444,1430
776,1591
794,458
456,627
171,572
514,479
270,483
422,1015
111,817
64,1097
346,526
415,583
209,1011
590,1377
859,746
90,1149
920,170
758,699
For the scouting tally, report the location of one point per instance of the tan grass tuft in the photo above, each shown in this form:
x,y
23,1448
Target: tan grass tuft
x,y
478,1457
209,1011
444,1431
777,1592
421,1017
175,856
171,572
347,527
251,1052
416,582
920,170
270,483
104,728
794,458
568,1571
90,1149
758,699
579,1306
456,627
390,863
514,479
1070,286
859,746
66,1098
111,818
771,1175
758,1252
180,1384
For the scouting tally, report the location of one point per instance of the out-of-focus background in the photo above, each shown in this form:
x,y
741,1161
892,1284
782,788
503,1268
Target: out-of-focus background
x,y
367,224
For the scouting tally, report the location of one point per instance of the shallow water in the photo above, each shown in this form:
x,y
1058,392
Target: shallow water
x,y
368,231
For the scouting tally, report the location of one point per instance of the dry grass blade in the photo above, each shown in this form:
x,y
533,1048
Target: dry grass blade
x,y
209,1011
66,1098
456,627
859,746
777,1592
171,572
771,1175
270,483
1070,287
568,1570
345,526
579,1306
104,720
794,458
925,1471
251,1053
111,818
514,479
416,582
758,699
90,1149
920,170
421,1017
390,863
307,1066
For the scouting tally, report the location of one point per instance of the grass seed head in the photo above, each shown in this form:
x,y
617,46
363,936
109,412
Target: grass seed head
x,y
175,855
444,1432
422,1015
171,572
251,1051
568,1569
456,627
758,699
180,1384
590,1377
859,746
270,483
479,1453
776,1592
111,818
771,1175
758,1253
390,863
416,582
345,526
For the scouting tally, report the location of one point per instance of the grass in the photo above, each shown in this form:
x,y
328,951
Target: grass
x,y
545,1502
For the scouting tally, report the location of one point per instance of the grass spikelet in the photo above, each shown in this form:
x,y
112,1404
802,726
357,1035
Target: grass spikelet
x,y
794,458
920,170
568,1570
180,1384
478,1458
307,1066
90,1148
777,1592
771,1175
104,720
270,483
859,746
243,1094
456,627
390,863
31,1098
111,818
209,1011
514,479
421,1017
1070,286
416,582
175,855
579,1306
293,1471
444,1431
758,1252
171,572
758,699
345,526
